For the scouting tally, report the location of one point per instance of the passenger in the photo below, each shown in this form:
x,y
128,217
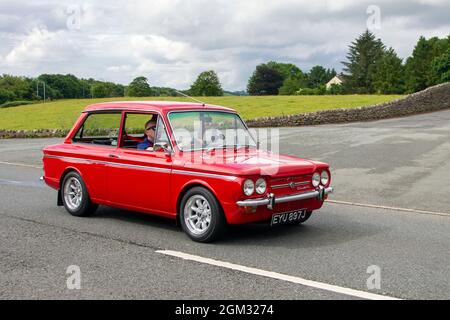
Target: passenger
x,y
150,128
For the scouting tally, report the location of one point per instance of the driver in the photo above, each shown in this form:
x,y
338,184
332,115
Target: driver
x,y
150,128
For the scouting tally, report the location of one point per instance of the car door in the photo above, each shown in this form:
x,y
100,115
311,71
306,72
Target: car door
x,y
90,148
140,179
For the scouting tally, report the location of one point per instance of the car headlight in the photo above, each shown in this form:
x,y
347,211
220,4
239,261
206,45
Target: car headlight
x,y
315,179
260,186
248,187
324,178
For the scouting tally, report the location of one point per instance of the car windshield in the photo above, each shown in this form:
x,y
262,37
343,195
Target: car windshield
x,y
196,130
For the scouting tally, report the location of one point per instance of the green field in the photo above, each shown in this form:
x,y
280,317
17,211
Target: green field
x,y
62,114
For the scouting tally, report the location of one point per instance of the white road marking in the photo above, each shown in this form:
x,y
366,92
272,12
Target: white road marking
x,y
32,183
444,214
278,276
21,165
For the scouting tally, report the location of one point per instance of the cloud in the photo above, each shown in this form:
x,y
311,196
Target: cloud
x,y
39,46
172,41
158,48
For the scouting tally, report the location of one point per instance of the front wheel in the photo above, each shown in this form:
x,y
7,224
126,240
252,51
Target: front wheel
x,y
201,216
75,196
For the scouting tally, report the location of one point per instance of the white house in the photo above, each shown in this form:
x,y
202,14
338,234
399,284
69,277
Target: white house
x,y
338,80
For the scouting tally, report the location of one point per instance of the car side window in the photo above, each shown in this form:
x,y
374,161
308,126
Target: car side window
x,y
134,134
99,128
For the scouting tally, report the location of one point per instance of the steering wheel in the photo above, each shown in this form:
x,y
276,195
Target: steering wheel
x,y
214,136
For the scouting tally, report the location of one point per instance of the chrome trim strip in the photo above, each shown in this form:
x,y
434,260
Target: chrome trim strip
x,y
69,158
286,185
204,174
114,164
295,197
138,167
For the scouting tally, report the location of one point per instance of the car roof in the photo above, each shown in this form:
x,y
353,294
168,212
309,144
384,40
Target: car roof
x,y
152,106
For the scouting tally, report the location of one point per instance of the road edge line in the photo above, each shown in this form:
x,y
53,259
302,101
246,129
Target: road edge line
x,y
443,214
21,165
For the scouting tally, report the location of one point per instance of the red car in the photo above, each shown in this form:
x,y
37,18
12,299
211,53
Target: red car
x,y
196,163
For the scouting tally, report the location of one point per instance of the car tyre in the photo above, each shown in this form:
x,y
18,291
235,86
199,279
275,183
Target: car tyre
x,y
201,216
75,196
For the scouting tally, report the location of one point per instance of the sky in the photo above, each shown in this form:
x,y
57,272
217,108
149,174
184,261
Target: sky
x,y
171,41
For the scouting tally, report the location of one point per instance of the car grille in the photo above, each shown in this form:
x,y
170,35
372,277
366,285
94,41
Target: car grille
x,y
289,185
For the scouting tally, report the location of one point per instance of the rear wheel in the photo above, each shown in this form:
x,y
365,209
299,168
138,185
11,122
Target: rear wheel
x,y
201,216
75,197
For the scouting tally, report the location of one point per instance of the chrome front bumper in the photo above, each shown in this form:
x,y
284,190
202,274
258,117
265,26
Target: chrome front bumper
x,y
271,200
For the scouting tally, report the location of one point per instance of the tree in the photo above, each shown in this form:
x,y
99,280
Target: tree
x,y
331,73
420,73
293,77
139,87
441,67
360,66
287,70
317,76
16,88
100,90
207,84
389,74
335,89
6,95
264,81
62,86
290,86
164,91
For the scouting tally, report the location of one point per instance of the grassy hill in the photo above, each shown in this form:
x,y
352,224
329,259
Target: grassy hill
x,y
62,114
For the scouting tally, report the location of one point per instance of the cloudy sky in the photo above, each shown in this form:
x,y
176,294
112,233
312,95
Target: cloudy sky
x,y
172,41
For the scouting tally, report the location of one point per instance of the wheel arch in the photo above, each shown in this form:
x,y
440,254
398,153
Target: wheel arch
x,y
61,179
188,186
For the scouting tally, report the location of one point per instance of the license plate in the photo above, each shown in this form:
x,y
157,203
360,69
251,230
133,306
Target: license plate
x,y
287,217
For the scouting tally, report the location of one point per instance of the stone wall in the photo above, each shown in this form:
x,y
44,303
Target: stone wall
x,y
429,100
37,133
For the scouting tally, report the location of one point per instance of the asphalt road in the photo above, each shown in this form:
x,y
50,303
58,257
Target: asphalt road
x,y
400,162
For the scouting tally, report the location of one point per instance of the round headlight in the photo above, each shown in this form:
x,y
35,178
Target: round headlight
x,y
315,179
260,186
324,177
248,187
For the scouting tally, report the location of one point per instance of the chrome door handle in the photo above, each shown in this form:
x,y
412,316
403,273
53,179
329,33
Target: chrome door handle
x,y
113,156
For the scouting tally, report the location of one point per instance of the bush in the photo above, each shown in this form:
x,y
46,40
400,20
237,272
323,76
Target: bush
x,y
312,92
16,103
336,89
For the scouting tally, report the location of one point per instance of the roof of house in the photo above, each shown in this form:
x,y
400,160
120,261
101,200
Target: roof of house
x,y
339,77
152,106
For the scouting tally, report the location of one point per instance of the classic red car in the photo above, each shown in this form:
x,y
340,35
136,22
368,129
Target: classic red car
x,y
196,163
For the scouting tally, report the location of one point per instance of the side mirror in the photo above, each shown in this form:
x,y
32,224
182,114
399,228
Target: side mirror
x,y
163,146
